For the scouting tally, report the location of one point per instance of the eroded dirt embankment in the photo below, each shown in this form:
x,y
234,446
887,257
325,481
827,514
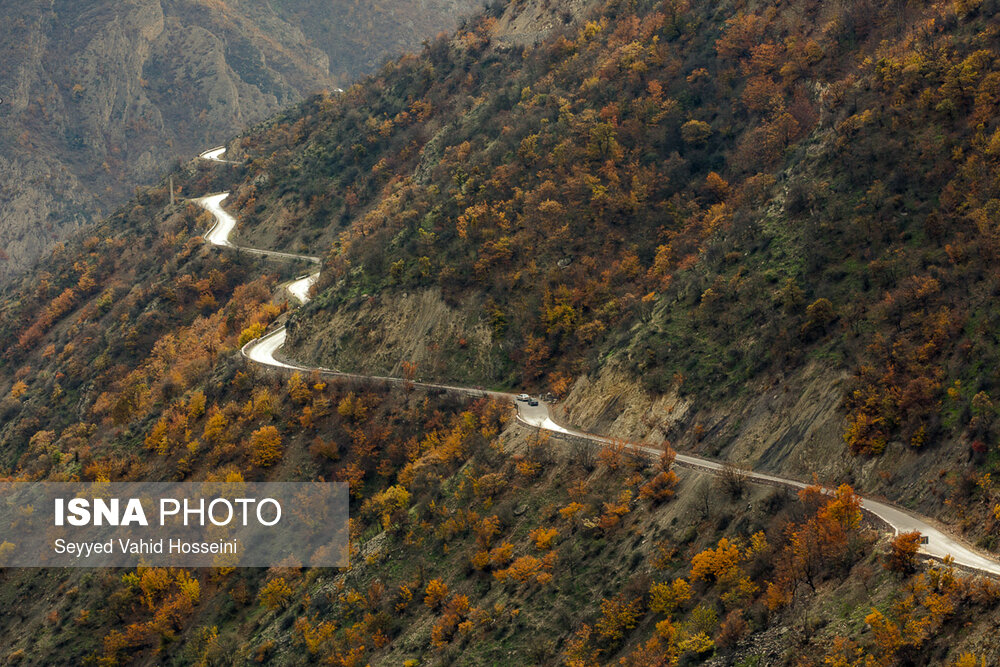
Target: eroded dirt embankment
x,y
793,426
377,334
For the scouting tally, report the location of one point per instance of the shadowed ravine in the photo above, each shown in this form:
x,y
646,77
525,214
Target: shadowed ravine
x,y
939,545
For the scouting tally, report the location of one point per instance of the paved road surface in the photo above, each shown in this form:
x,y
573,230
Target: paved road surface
x,y
300,286
226,223
263,351
215,155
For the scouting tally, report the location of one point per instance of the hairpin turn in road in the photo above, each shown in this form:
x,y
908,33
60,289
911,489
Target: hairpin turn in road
x,y
262,351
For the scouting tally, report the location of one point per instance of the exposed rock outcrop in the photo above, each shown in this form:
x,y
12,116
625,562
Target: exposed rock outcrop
x,y
99,97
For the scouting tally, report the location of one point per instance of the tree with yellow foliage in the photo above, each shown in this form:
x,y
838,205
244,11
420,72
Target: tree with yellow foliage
x,y
196,404
617,617
390,505
571,511
660,488
902,556
665,597
252,332
275,594
435,593
543,537
265,446
888,638
714,564
216,427
298,389
18,390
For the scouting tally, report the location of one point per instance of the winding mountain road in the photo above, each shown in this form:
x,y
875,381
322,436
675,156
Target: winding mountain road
x,y
938,545
215,155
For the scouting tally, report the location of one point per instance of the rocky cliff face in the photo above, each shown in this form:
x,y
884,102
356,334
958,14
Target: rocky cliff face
x,y
527,23
357,41
99,96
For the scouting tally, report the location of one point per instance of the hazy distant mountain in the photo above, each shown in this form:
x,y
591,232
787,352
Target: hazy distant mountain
x,y
98,96
357,35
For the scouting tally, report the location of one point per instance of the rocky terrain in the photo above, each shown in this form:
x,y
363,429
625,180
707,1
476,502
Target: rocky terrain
x,y
99,97
762,233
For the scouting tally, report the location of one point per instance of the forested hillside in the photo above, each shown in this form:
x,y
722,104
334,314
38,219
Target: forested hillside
x,y
696,202
702,224
98,97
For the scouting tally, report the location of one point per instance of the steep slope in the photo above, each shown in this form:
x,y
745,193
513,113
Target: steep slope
x,y
608,214
461,550
764,234
267,352
99,96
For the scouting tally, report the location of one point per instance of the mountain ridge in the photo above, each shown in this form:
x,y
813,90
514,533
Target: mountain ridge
x,y
99,97
759,232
